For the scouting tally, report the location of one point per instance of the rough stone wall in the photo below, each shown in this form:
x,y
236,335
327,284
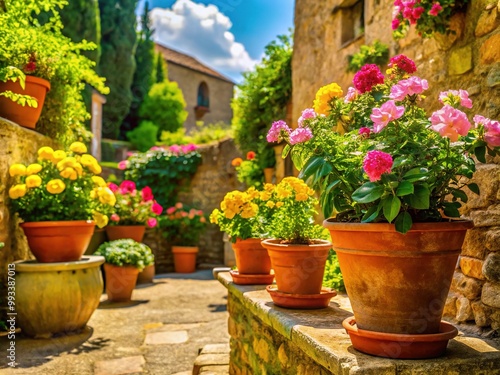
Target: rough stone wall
x,y
220,94
468,59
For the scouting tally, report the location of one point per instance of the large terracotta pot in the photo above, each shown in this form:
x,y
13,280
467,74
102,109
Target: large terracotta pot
x,y
120,282
398,283
298,269
118,232
24,115
58,241
53,298
251,257
147,275
185,258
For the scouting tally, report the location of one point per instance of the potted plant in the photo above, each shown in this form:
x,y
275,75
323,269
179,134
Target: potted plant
x,y
125,258
134,209
394,177
244,215
60,198
182,227
248,171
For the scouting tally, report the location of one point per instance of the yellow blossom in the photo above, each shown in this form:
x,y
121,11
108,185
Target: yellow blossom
x,y
95,168
78,168
269,187
45,153
87,160
250,210
99,181
100,219
69,173
214,216
78,147
33,169
17,191
301,197
58,155
106,196
270,204
324,96
265,195
66,162
279,204
55,186
229,214
17,170
33,181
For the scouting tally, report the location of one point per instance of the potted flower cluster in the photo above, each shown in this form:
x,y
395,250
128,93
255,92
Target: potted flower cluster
x,y
248,171
393,177
182,227
134,209
125,258
60,198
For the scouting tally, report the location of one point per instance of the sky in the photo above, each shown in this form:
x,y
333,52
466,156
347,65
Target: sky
x,y
227,35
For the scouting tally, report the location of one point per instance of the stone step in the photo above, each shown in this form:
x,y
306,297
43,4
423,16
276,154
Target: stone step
x,y
213,359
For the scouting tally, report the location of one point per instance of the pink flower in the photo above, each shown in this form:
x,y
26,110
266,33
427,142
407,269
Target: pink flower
x,y
275,133
179,205
170,210
307,113
112,187
395,23
385,114
300,135
410,86
450,122
364,132
152,222
175,149
351,95
157,208
123,164
188,148
492,130
127,186
376,163
147,194
436,8
416,13
454,97
115,217
368,76
402,62
155,148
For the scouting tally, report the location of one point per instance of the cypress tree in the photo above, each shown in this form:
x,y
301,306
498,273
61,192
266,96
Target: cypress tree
x,y
160,72
117,61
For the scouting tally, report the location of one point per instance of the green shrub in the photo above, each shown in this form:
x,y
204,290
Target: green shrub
x,y
377,53
126,252
178,137
212,132
333,277
164,105
144,136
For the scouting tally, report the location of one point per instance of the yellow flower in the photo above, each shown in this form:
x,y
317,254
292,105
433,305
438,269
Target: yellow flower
x,y
87,160
100,219
282,192
229,213
17,191
301,197
58,155
17,170
78,168
269,187
265,195
324,96
250,210
279,204
214,216
55,186
99,181
45,153
270,204
33,169
67,162
106,196
78,147
70,173
95,168
33,181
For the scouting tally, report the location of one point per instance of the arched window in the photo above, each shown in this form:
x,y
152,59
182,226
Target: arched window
x,y
203,99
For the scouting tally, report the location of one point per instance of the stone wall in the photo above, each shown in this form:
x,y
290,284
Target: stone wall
x,y
468,59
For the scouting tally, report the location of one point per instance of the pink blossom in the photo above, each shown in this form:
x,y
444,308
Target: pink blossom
x,y
157,208
307,113
112,187
155,148
492,130
147,194
115,217
367,77
402,62
410,86
436,8
351,95
175,149
179,205
127,186
416,13
152,222
123,164
385,114
453,97
275,133
376,163
171,210
364,132
184,214
450,122
188,148
300,135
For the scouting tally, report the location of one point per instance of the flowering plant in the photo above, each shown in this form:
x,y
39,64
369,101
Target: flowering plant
x,y
375,155
133,206
126,252
248,171
61,185
183,225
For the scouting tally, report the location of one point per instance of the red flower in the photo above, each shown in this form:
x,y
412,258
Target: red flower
x,y
157,209
367,77
250,155
147,194
127,187
404,63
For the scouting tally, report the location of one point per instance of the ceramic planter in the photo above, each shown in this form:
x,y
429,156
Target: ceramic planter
x,y
185,258
120,282
147,275
268,175
298,269
118,232
251,257
24,115
58,241
55,298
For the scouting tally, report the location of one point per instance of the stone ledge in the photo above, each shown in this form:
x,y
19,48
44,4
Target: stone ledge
x,y
320,336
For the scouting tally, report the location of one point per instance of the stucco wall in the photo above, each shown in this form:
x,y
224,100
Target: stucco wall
x,y
220,94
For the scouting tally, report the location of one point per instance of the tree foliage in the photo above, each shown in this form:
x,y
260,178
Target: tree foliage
x,y
160,72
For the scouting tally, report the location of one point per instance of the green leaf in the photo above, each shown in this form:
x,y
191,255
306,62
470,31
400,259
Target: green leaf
x,y
451,209
416,174
399,161
480,153
311,167
460,195
403,222
404,188
331,186
420,197
285,151
327,204
392,204
473,187
371,214
368,192
325,169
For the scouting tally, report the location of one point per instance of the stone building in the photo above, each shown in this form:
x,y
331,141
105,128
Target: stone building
x,y
327,32
207,93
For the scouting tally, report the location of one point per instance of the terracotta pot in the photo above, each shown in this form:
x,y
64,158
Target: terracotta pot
x,y
65,297
118,232
58,241
98,238
24,115
147,275
398,283
268,175
185,258
120,282
251,257
298,269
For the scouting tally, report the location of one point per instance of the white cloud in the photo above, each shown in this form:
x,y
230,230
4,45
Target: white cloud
x,y
201,31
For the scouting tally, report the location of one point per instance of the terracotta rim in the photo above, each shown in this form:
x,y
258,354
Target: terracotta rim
x,y
249,279
290,247
66,223
452,225
325,292
39,81
184,249
301,301
87,261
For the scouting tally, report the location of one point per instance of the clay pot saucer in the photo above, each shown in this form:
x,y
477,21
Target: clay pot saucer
x,y
251,279
301,301
402,346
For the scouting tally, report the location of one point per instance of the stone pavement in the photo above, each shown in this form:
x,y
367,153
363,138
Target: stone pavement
x,y
160,332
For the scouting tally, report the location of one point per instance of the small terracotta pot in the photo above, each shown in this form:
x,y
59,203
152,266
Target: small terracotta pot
x,y
58,241
118,232
268,175
120,282
298,269
251,257
147,275
185,258
24,115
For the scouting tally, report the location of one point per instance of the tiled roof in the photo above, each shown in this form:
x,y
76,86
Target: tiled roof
x,y
189,62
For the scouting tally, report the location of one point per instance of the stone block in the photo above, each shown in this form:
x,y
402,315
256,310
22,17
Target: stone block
x,y
491,295
169,337
491,267
492,239
486,218
472,267
466,286
464,310
481,313
215,349
474,243
487,176
460,61
120,366
215,370
489,51
282,356
450,306
488,21
262,349
495,320
210,360
493,78
446,41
